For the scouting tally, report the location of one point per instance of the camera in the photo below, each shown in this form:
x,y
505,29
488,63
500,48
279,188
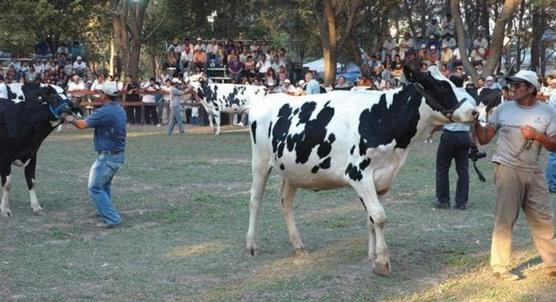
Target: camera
x,y
475,154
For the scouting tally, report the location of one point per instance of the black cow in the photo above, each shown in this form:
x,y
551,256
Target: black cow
x,y
32,112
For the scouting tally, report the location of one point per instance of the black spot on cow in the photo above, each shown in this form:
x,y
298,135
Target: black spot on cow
x,y
352,149
282,167
313,134
315,169
371,218
363,203
269,129
326,163
254,131
296,111
355,172
280,130
383,123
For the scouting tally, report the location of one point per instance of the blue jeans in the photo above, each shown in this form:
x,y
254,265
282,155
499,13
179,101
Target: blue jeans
x,y
551,171
100,186
175,117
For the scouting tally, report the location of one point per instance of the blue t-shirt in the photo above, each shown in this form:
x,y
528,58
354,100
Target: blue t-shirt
x,y
313,87
109,122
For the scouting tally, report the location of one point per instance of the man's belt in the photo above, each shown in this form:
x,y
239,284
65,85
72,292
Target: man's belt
x,y
116,152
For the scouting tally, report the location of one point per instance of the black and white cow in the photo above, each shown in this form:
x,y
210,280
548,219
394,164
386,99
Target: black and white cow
x,y
228,98
357,139
25,121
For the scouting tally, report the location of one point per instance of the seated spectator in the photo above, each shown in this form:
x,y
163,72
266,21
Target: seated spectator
x,y
479,69
275,63
365,81
433,56
448,40
244,54
422,53
270,79
263,66
433,28
235,69
397,71
62,50
199,59
448,25
79,67
282,74
342,84
447,56
75,88
373,62
249,67
186,56
312,86
480,42
424,67
76,49
287,87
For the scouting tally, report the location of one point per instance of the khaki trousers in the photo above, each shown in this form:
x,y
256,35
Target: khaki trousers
x,y
517,189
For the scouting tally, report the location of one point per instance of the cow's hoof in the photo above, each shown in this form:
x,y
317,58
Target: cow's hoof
x,y
371,259
39,212
251,251
7,213
381,269
300,252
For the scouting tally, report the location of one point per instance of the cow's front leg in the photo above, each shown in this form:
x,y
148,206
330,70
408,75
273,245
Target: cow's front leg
x,y
260,169
30,178
5,205
210,117
377,218
217,121
288,194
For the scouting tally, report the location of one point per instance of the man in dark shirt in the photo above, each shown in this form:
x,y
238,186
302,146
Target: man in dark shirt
x,y
109,122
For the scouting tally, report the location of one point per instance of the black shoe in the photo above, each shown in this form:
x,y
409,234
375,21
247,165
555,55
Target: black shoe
x,y
460,206
103,225
441,205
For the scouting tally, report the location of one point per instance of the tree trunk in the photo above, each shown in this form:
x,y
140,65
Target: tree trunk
x,y
329,38
538,27
469,69
497,40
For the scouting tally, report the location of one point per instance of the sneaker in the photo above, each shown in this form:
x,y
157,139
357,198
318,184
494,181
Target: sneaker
x,y
505,275
441,205
460,206
103,225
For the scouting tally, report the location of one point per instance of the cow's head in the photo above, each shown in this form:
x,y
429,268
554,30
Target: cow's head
x,y
53,98
450,103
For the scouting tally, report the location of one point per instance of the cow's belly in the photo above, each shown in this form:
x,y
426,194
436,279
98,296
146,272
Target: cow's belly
x,y
301,175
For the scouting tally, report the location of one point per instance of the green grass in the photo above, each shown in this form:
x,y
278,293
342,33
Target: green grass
x,y
185,205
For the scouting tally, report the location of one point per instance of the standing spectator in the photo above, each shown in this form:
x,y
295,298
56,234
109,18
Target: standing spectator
x,y
549,94
175,107
244,54
166,101
131,95
150,90
387,47
76,49
312,86
406,45
186,57
525,126
449,41
454,145
109,123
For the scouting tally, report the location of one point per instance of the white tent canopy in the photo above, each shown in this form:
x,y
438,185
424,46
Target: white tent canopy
x,y
318,65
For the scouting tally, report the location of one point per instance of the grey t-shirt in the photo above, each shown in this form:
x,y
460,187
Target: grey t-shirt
x,y
507,119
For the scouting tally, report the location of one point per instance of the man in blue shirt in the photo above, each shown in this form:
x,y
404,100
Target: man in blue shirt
x,y
109,122
313,86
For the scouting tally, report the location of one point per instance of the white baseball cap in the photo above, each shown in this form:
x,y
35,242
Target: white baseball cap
x,y
287,81
176,81
489,78
110,88
526,76
79,58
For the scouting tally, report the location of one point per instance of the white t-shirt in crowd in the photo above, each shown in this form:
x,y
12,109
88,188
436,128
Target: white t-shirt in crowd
x,y
3,91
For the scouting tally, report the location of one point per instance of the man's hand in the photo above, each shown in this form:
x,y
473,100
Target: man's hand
x,y
69,118
529,132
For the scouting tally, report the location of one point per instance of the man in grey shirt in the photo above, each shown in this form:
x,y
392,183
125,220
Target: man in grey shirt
x,y
524,126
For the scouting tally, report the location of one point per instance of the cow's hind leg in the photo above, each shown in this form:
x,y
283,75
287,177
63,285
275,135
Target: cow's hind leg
x,y
260,169
288,194
372,237
377,218
30,178
5,205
